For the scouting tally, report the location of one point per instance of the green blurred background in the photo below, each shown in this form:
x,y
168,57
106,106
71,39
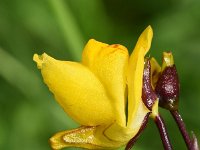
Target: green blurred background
x,y
28,113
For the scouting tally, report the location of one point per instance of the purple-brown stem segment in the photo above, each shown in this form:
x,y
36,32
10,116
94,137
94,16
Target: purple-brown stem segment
x,y
182,128
133,140
194,142
163,132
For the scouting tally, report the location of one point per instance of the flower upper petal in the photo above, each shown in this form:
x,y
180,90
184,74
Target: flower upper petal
x,y
136,109
109,64
77,90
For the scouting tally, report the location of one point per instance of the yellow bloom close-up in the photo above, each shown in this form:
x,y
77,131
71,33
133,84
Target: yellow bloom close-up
x,y
103,93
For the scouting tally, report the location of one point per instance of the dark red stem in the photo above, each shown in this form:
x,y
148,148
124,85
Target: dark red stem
x,y
133,140
182,128
194,142
163,132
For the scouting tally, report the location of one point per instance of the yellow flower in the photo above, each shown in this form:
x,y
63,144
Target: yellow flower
x,y
97,92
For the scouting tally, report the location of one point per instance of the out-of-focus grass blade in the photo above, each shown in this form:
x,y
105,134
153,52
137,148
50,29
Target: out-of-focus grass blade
x,y
100,26
68,26
29,84
18,75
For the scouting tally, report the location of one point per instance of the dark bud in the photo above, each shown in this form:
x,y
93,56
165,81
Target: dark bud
x,y
167,88
148,94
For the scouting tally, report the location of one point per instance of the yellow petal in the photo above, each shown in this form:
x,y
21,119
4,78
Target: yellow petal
x,y
109,64
136,108
81,137
168,60
91,51
121,134
84,137
155,71
77,90
154,112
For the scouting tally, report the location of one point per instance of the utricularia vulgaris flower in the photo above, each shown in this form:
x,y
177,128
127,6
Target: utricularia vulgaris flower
x,y
109,93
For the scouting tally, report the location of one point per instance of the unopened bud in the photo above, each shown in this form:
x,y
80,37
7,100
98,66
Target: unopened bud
x,y
167,88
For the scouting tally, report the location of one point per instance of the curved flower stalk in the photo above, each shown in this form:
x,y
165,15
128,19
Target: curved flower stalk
x,y
168,89
94,93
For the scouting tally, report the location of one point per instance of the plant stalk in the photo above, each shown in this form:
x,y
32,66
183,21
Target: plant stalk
x,y
163,132
133,140
68,26
177,117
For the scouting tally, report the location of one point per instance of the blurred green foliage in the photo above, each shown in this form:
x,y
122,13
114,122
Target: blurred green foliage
x,y
28,113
